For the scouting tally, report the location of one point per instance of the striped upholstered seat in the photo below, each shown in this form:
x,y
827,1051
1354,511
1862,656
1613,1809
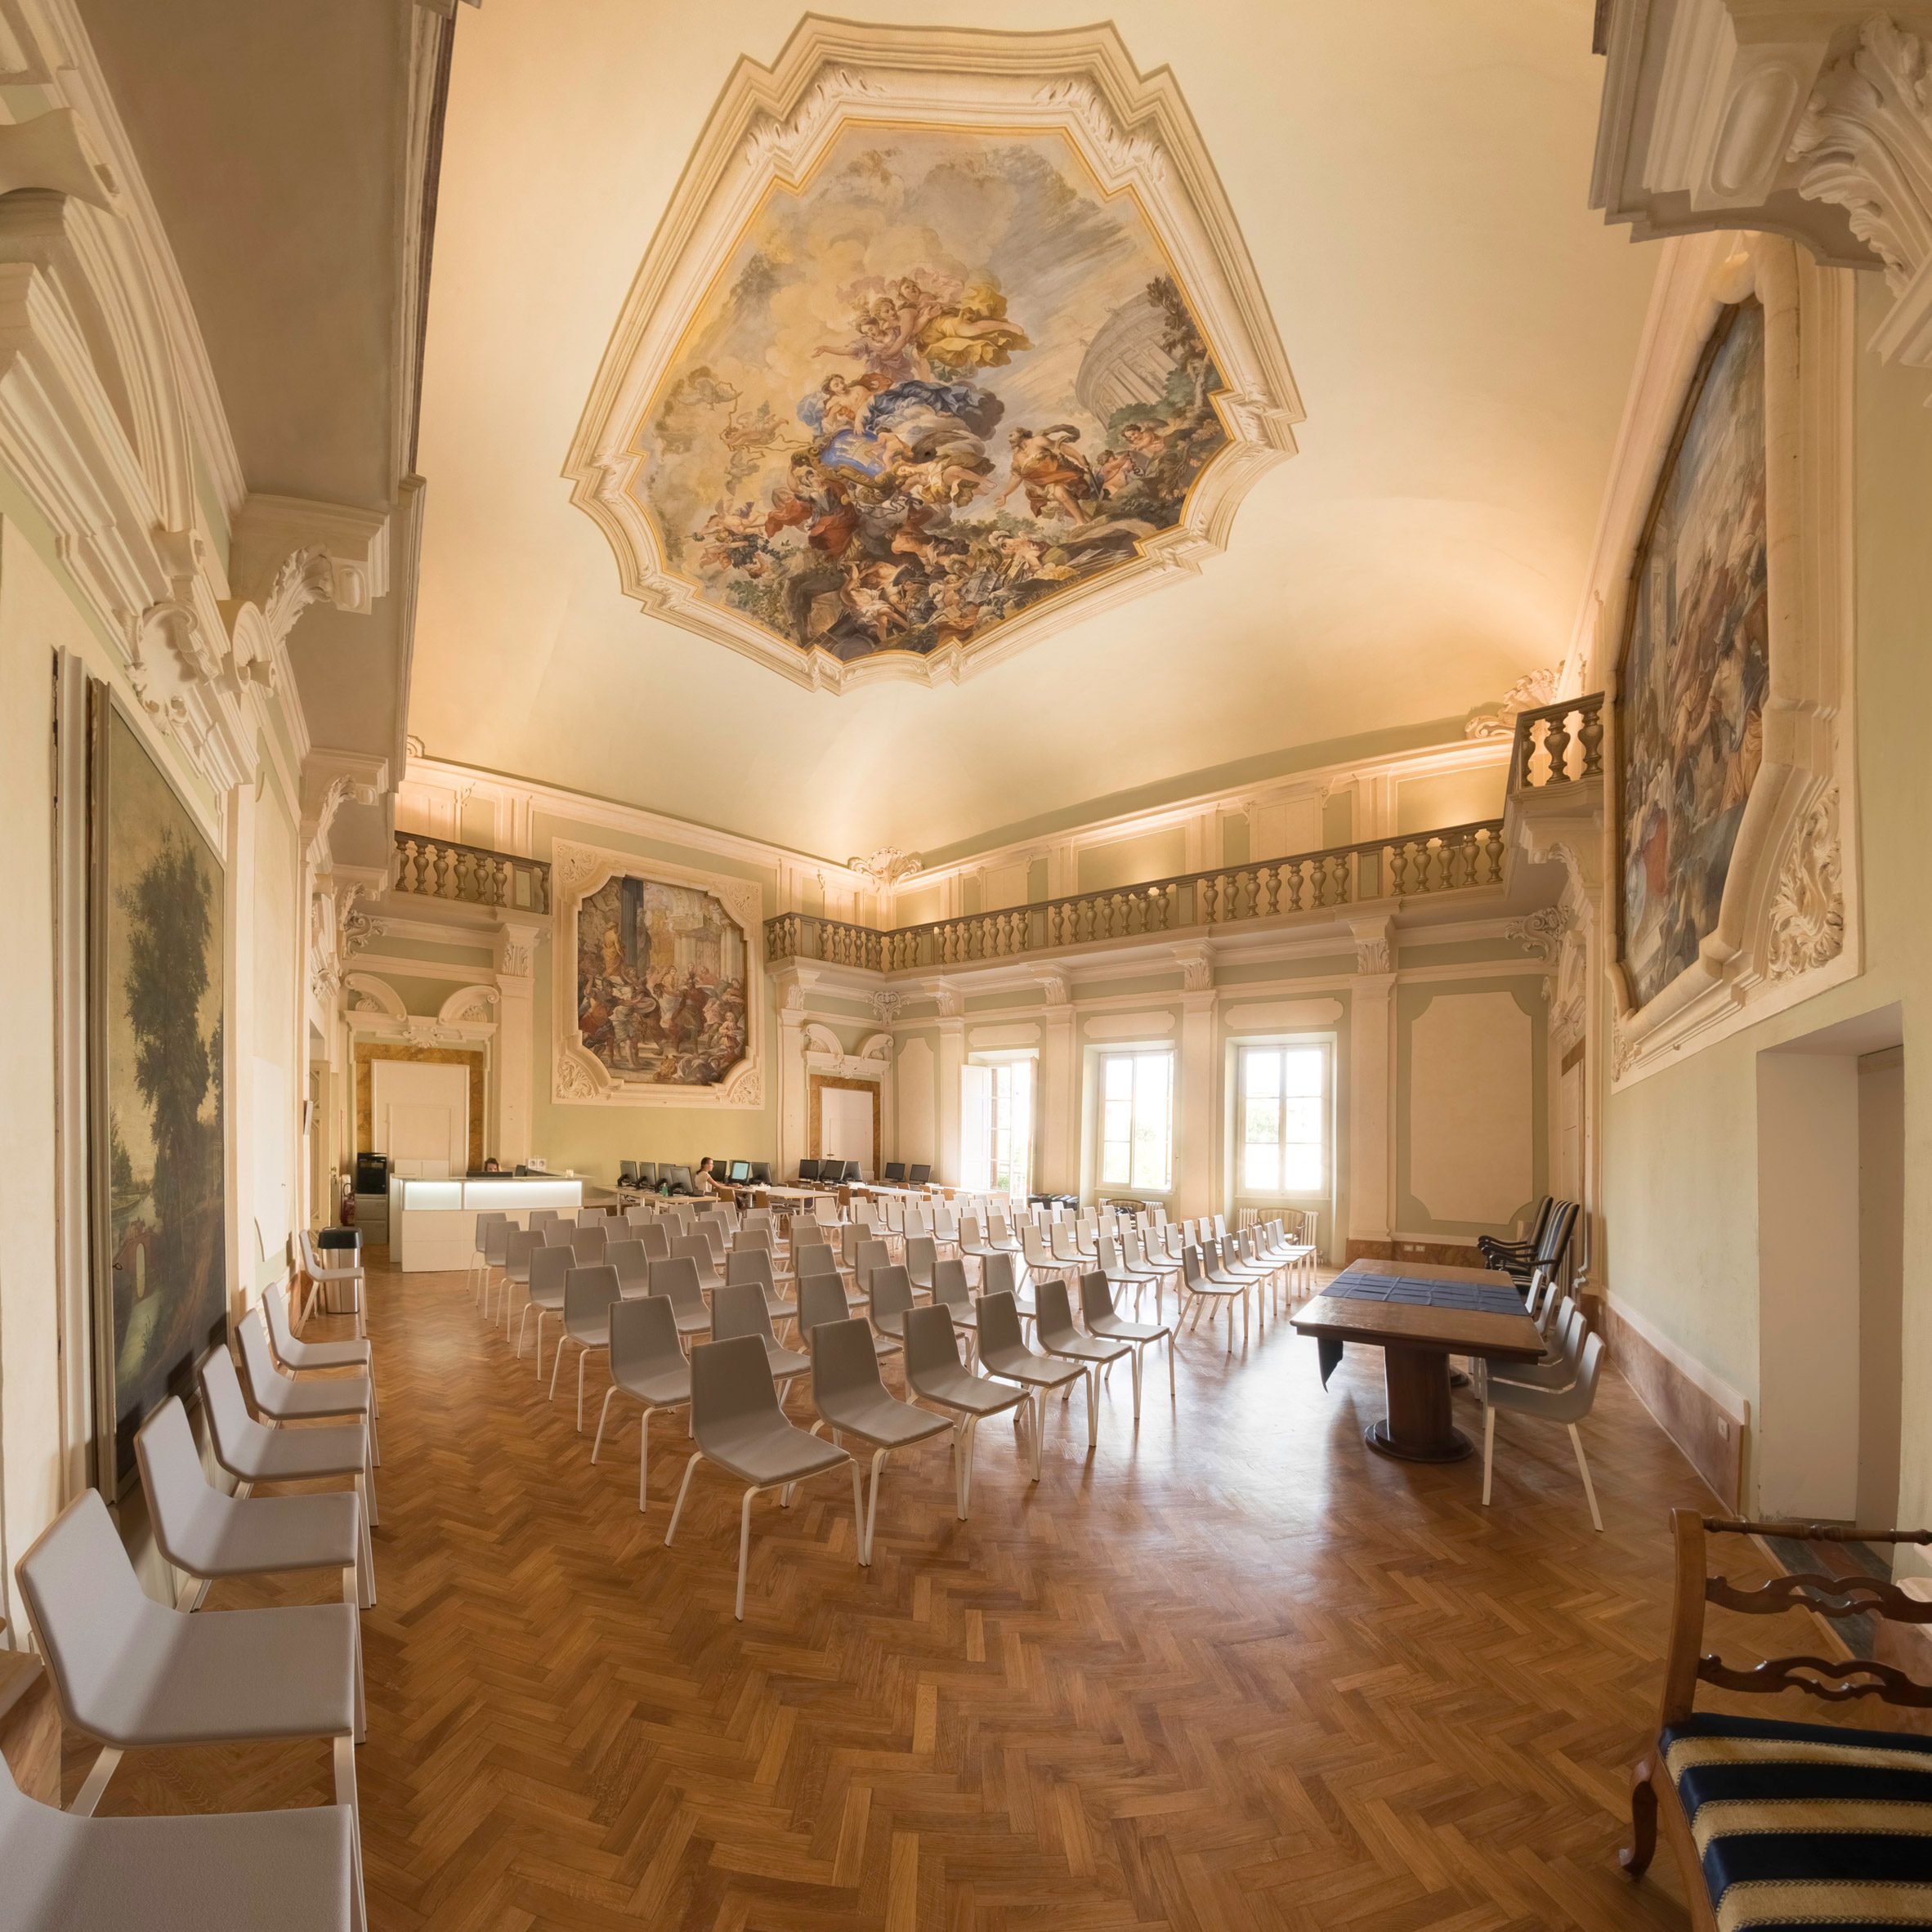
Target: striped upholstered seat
x,y
1803,1826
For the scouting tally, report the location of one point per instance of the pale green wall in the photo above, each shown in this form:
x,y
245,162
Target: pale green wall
x,y
1129,861
1449,798
1679,1148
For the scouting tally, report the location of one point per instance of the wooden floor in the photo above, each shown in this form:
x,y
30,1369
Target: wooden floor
x,y
1232,1670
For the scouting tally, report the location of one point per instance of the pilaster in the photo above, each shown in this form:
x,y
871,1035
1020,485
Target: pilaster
x,y
1371,1084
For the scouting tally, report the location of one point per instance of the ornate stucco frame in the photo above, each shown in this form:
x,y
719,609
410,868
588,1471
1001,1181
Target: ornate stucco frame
x,y
577,1077
1134,132
1788,921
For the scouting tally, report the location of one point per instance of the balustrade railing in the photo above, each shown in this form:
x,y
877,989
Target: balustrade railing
x,y
1558,744
1454,860
471,874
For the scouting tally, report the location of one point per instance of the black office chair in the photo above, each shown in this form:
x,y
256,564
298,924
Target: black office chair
x,y
808,1170
918,1174
895,1171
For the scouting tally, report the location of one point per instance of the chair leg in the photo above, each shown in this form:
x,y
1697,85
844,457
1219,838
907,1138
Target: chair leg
x,y
541,1313
96,1782
1036,1429
351,1595
1140,1350
1093,1410
345,1795
1635,1857
968,1438
582,1357
603,1416
1589,1489
1488,1450
866,1513
557,1363
1168,1346
643,1458
522,1324
683,1491
744,1548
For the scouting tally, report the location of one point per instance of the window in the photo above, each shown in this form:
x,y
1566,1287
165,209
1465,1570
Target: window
x,y
1136,1121
1282,1118
997,1126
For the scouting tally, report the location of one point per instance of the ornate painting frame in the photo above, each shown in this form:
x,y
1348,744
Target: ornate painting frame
x,y
1787,922
1133,134
577,1078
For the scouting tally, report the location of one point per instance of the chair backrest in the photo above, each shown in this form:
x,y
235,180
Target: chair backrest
x,y
1556,1236
519,1244
644,1338
814,1258
757,1237
229,1422
889,1291
677,1279
1054,1313
588,1244
549,1269
931,1345
1191,1263
731,1385
591,1217
999,1322
872,1255
1033,1244
999,1277
178,1491
972,1233
87,1609
632,1269
541,1217
821,1298
753,1265
694,1249
657,1238
1110,1255
558,1234
1544,1208
844,1365
1096,1299
922,1255
739,1308
494,1240
588,1292
256,1358
711,1227
949,1283
275,1303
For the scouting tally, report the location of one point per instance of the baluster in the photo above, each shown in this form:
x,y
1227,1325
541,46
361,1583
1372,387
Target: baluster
x,y
1591,736
1556,741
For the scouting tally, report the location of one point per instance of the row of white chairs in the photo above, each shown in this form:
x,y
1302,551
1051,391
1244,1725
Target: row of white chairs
x,y
135,1674
853,1312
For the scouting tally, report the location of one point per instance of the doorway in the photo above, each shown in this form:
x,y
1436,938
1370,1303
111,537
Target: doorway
x,y
997,1126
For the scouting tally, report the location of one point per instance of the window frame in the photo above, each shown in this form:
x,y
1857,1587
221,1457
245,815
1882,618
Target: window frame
x,y
1240,1188
1133,1052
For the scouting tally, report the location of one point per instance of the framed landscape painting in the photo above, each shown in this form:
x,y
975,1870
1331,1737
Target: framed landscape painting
x,y
160,1281
1696,663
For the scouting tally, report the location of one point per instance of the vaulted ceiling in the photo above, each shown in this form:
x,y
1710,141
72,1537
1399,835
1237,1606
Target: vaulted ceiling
x,y
1397,189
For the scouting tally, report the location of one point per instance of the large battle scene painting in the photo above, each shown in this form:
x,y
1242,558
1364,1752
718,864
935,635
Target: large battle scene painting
x,y
1696,665
159,1015
941,383
660,983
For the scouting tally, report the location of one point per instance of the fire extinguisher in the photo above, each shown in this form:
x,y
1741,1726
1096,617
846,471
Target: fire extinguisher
x,y
348,1206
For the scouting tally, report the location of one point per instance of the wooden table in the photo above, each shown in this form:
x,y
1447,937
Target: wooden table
x,y
1418,1314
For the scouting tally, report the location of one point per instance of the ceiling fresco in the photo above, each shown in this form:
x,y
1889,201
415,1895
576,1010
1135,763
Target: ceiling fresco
x,y
946,337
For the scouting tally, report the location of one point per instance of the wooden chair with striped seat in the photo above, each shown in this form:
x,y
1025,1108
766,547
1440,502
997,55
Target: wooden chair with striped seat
x,y
1774,1822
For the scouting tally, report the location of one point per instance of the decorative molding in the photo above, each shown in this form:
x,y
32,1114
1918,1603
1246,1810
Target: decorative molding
x,y
1542,933
1127,1025
887,867
1374,955
479,1003
577,1077
1135,134
366,994
1255,1016
1529,693
288,550
1196,964
992,1039
331,779
1807,927
885,1005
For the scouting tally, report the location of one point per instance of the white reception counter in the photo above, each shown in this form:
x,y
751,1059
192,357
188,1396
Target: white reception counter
x,y
432,1224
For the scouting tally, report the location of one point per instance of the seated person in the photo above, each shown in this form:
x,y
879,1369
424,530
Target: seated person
x,y
705,1181
489,1166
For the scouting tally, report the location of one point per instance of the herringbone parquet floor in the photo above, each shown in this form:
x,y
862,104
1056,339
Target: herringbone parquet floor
x,y
1231,1671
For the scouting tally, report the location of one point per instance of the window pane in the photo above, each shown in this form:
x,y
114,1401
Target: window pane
x,y
1302,1070
1302,1170
1152,1122
1263,1069
1117,1121
1118,1078
1114,1170
1259,1169
1301,1120
1261,1126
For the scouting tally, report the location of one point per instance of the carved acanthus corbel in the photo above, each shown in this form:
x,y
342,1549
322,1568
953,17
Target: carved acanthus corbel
x,y
1807,910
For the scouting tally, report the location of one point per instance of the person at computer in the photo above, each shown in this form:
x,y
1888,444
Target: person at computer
x,y
705,1181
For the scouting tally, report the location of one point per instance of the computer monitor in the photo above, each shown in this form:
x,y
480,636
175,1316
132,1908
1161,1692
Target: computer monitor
x,y
740,1172
761,1174
808,1170
646,1174
895,1170
849,1171
918,1174
627,1173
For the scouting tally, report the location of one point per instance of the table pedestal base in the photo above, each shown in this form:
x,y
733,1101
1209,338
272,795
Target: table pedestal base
x,y
1418,1427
